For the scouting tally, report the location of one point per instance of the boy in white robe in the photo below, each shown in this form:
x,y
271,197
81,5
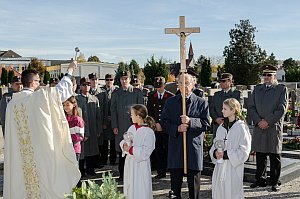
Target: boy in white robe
x,y
227,179
137,169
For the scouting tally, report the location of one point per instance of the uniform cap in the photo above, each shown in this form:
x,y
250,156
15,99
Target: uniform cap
x,y
109,76
269,69
226,76
159,81
93,76
84,81
16,79
125,74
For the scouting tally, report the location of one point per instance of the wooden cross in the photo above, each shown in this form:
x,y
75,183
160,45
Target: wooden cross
x,y
183,32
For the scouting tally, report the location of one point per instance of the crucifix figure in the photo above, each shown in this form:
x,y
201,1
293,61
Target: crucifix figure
x,y
183,32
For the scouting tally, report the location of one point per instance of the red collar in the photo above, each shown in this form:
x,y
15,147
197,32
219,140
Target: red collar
x,y
137,126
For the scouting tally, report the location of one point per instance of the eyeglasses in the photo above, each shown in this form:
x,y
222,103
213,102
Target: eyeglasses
x,y
267,74
109,79
85,85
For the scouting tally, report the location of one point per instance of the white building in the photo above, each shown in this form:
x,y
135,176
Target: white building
x,y
85,68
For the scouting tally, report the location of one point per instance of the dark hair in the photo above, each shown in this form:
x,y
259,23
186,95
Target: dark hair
x,y
74,102
27,76
141,110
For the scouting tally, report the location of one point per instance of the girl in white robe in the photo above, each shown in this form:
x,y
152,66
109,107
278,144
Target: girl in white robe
x,y
227,179
137,169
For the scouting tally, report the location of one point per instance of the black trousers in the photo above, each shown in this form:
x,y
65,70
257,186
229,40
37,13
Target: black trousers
x,y
104,152
121,164
161,152
88,164
193,179
261,167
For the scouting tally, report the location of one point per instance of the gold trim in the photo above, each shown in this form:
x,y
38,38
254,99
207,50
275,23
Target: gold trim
x,y
31,176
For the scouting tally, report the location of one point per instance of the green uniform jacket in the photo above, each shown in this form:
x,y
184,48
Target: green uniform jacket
x,y
121,101
269,104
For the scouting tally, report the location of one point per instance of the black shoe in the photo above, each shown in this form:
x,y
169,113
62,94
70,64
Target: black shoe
x,y
258,184
91,173
275,188
159,176
120,179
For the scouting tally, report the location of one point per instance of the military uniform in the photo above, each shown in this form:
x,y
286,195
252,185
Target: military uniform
x,y
108,134
269,103
91,115
155,105
216,105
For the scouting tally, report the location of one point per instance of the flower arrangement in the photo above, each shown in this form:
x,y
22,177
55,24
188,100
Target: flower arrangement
x,y
91,190
292,144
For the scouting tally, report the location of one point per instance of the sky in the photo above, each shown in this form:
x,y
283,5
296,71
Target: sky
x,y
122,30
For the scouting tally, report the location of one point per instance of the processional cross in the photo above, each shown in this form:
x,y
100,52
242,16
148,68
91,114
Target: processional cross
x,y
183,32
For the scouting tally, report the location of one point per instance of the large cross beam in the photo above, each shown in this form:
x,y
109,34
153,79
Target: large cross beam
x,y
183,32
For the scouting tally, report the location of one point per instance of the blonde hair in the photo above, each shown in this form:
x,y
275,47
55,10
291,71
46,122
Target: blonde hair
x,y
233,104
142,111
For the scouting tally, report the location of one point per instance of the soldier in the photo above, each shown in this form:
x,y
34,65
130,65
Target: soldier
x,y
95,90
16,86
156,102
267,106
216,103
91,115
121,101
108,134
99,93
136,82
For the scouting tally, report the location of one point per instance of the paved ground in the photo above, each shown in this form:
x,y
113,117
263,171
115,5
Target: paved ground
x,y
162,187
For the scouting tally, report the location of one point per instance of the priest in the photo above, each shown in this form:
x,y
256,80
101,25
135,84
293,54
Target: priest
x,y
39,158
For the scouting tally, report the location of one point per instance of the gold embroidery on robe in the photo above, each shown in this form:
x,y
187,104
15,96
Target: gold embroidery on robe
x,y
27,154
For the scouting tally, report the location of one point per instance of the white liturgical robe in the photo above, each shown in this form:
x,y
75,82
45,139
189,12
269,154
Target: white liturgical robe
x,y
227,179
137,169
40,160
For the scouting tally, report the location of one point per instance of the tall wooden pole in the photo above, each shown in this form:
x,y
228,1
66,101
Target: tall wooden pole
x,y
183,32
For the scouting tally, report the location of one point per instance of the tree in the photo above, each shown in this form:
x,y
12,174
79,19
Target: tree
x,y
81,58
206,72
93,59
37,65
155,68
10,75
243,57
133,67
4,77
271,60
289,63
292,70
46,78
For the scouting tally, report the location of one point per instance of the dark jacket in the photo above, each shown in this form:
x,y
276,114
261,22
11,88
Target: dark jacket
x,y
155,105
170,119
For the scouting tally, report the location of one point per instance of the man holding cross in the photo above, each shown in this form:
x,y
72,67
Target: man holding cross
x,y
194,123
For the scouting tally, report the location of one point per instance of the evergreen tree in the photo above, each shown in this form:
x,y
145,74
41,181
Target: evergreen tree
x,y
206,72
10,75
122,67
4,77
46,78
243,57
93,59
292,70
271,60
155,68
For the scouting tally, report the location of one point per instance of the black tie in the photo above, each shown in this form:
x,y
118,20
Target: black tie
x,y
187,104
